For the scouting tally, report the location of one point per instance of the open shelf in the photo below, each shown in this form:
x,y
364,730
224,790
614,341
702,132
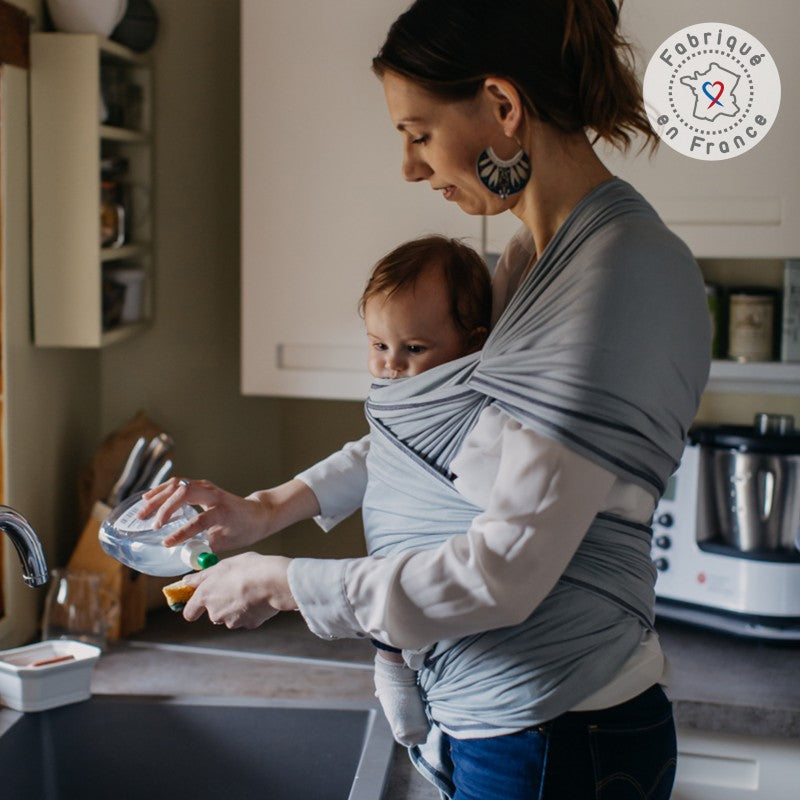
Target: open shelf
x,y
754,378
91,129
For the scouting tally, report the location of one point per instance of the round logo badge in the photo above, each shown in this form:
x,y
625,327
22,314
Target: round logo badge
x,y
712,91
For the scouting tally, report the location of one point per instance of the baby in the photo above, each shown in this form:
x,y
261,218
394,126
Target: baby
x,y
427,302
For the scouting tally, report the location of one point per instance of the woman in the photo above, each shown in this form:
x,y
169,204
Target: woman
x,y
538,659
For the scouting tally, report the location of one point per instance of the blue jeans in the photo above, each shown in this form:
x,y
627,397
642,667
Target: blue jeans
x,y
627,752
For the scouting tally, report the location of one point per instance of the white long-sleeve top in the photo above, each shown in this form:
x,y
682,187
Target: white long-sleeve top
x,y
539,498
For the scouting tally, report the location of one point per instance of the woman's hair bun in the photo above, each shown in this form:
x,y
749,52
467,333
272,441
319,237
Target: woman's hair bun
x,y
567,58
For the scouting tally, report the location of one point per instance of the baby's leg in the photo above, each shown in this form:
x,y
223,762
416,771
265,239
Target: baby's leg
x,y
396,689
394,656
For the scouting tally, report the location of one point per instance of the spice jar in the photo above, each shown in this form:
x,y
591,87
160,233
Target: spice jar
x,y
112,216
751,324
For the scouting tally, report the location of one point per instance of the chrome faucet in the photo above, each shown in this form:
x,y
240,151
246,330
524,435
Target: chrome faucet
x,y
27,544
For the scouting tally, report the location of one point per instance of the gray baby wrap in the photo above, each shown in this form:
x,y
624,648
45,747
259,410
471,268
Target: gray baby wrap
x,y
605,349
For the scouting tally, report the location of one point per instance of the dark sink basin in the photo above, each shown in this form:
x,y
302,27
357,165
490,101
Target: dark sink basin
x,y
161,747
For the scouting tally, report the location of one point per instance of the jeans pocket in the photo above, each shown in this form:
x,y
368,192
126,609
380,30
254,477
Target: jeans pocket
x,y
634,763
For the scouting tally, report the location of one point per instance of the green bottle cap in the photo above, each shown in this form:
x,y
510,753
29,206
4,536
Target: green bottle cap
x,y
205,560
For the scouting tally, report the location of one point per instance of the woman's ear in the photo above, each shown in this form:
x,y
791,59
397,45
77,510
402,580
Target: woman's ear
x,y
506,104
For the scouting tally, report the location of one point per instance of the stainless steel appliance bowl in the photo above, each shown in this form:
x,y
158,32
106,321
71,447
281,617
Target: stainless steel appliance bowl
x,y
757,499
753,474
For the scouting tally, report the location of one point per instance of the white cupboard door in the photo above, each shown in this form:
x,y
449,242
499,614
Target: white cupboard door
x,y
719,766
742,207
322,193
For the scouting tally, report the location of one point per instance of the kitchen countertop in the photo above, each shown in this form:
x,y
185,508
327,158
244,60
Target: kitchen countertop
x,y
732,685
719,683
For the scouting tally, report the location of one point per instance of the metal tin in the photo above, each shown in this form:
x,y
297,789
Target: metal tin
x,y
751,324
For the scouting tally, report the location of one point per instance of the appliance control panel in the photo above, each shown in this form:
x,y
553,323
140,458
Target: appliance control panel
x,y
675,527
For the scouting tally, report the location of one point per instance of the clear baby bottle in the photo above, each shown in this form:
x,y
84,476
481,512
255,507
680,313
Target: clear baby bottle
x,y
135,543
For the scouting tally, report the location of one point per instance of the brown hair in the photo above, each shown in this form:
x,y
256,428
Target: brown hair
x,y
566,58
465,274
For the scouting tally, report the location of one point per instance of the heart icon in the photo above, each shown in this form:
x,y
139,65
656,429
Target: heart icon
x,y
714,98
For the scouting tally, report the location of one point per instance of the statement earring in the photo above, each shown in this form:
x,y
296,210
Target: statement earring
x,y
501,177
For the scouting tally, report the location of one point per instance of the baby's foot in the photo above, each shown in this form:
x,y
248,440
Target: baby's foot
x,y
396,689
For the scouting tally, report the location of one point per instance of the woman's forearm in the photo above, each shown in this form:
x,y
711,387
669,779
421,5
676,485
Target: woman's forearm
x,y
287,504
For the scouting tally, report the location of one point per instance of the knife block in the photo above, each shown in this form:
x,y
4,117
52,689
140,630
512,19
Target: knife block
x,y
127,586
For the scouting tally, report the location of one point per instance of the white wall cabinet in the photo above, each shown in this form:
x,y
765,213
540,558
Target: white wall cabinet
x,y
76,127
746,207
742,207
323,197
322,193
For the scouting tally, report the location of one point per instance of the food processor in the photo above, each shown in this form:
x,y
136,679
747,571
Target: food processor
x,y
725,533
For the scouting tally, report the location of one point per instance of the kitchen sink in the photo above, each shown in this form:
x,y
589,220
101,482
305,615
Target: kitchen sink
x,y
198,747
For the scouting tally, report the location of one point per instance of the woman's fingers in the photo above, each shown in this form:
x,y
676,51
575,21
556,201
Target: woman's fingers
x,y
164,500
228,520
167,497
192,528
241,592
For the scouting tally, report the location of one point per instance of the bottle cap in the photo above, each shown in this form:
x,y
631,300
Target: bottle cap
x,y
205,560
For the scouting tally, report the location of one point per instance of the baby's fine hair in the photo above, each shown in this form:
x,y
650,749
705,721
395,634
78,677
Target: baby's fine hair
x,y
466,277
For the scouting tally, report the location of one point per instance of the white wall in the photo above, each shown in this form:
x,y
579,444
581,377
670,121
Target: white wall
x,y
50,396
184,371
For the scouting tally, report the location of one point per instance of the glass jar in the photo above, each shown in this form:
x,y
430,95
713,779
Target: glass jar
x,y
112,215
751,324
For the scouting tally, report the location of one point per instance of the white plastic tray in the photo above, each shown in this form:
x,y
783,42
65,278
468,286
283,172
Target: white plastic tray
x,y
47,674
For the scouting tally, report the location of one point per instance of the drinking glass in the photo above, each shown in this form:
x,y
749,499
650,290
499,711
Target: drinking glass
x,y
78,607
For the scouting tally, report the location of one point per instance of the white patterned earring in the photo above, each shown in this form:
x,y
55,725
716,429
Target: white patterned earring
x,y
502,177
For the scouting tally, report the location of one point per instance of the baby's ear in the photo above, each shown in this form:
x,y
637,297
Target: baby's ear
x,y
476,338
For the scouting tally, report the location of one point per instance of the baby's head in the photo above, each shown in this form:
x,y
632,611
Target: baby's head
x,y
427,302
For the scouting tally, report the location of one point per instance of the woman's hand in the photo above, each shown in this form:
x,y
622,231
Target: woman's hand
x,y
229,521
243,591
